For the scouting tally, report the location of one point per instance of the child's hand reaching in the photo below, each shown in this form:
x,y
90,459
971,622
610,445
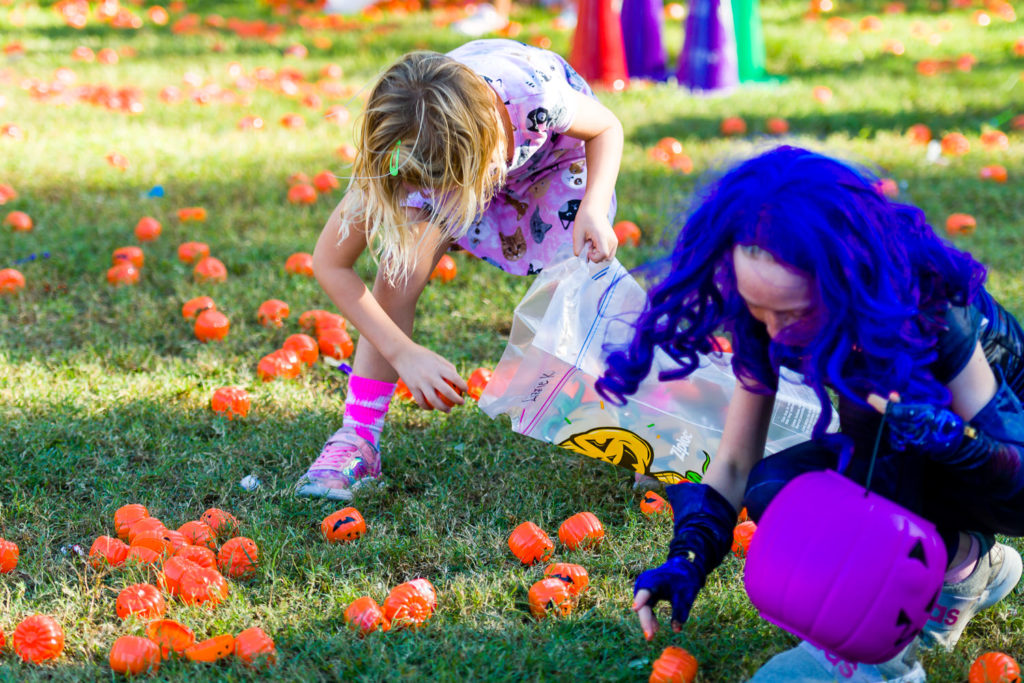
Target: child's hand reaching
x,y
432,380
594,227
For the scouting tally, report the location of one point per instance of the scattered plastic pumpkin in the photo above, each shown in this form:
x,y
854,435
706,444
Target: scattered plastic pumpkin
x,y
299,263
170,636
325,181
147,229
105,551
123,274
304,346
402,390
200,554
194,307
11,281
776,126
202,586
319,320
960,224
919,134
192,213
550,595
133,655
654,504
955,144
530,544
994,667
995,140
127,515
822,93
142,526
38,638
19,221
231,402
574,576
733,125
211,650
238,558
408,605
675,665
335,343
302,194
994,172
223,523
132,255
255,648
627,232
193,252
141,555
278,364
272,313
210,269
366,616
445,269
211,325
742,534
141,599
9,553
173,570
478,381
343,526
582,530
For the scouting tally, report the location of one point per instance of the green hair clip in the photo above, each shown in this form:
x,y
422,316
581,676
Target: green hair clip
x,y
393,168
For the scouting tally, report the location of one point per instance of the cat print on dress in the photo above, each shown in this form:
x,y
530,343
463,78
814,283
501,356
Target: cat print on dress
x,y
538,228
513,246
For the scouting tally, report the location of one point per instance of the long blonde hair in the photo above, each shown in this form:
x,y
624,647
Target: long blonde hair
x,y
430,124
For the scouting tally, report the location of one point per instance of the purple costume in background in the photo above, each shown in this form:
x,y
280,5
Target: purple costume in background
x,y
708,60
641,34
528,223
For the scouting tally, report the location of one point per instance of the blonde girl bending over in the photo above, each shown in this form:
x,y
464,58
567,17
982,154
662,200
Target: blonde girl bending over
x,y
497,147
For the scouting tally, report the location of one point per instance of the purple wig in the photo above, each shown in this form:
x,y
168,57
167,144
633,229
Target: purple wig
x,y
880,278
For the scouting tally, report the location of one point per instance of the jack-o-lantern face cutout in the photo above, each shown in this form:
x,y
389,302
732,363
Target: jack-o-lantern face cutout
x,y
343,526
654,504
613,445
575,577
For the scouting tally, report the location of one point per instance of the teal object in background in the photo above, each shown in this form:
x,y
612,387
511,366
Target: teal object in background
x,y
750,52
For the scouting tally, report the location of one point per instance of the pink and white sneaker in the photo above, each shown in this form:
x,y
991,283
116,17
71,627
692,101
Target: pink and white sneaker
x,y
346,463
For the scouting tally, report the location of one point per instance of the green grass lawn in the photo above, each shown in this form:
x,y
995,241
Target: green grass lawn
x,y
104,391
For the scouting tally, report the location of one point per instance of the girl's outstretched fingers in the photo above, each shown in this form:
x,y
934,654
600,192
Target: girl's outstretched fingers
x,y
648,622
880,404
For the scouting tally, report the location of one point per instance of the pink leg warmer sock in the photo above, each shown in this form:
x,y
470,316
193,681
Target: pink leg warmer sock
x,y
964,569
366,406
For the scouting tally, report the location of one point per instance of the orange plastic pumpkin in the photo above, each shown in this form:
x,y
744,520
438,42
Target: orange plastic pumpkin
x,y
132,255
653,504
478,381
193,252
776,126
238,558
231,402
38,638
194,307
733,125
530,544
995,173
304,346
174,568
9,553
574,575
142,525
335,343
210,269
407,605
211,650
994,667
582,530
675,665
919,134
627,232
272,313
302,194
960,224
127,515
995,140
721,344
192,213
147,229
223,523
3,639
202,586
141,555
123,274
402,390
211,325
19,221
318,319
141,599
107,551
170,636
155,541
299,263
741,537
366,616
345,525
325,181
133,655
426,589
11,281
550,595
201,555
255,648
280,363
445,269
955,144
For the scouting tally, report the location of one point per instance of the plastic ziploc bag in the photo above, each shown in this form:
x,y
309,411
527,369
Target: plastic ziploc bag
x,y
668,430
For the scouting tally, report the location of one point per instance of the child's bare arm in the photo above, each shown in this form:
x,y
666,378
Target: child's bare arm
x,y
602,133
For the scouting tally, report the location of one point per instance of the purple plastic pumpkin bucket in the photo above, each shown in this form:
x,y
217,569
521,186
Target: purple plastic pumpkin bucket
x,y
846,570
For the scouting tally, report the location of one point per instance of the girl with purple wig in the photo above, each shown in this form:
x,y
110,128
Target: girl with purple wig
x,y
806,265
